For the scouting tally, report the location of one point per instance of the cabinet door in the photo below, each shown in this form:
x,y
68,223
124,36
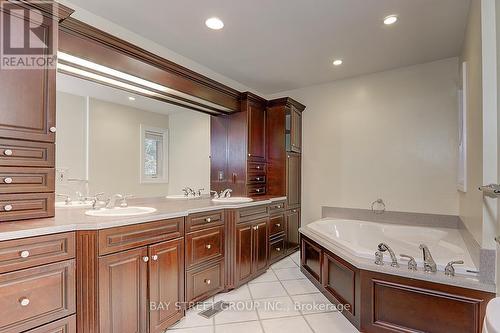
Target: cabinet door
x,y
244,251
256,132
166,284
293,180
261,241
27,97
292,229
295,130
123,292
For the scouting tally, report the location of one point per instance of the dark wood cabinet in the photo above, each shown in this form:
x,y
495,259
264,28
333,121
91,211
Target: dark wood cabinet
x,y
123,287
239,146
292,218
166,284
27,97
293,180
294,129
252,247
256,113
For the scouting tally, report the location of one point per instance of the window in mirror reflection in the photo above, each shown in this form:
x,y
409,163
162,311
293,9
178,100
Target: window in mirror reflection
x,y
154,163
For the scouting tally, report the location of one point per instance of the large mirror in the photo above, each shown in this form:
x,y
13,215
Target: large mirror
x,y
114,141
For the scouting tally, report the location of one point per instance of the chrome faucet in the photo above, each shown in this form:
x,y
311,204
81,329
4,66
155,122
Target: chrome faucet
x,y
226,193
382,247
429,263
67,198
216,194
96,199
111,202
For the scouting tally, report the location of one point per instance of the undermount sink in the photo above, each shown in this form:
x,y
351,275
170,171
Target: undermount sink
x,y
121,211
233,200
73,204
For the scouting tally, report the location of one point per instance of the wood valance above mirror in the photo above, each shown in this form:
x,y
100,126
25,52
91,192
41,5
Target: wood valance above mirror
x,y
182,86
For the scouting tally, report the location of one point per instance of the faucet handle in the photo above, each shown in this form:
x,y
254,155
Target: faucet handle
x,y
412,263
216,194
67,198
123,200
200,191
379,258
449,270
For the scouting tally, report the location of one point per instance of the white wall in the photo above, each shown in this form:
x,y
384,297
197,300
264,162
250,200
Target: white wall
x,y
390,135
189,151
114,148
71,143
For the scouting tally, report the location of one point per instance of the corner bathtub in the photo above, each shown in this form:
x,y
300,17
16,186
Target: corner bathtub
x,y
361,238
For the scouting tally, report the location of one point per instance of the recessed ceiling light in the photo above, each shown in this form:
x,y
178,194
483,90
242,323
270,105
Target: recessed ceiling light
x,y
131,98
214,23
391,19
337,62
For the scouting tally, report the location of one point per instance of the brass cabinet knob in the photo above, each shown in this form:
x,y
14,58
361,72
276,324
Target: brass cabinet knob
x,y
154,257
7,152
207,281
278,225
24,301
7,180
7,208
208,246
52,129
278,249
258,167
249,155
25,254
208,219
145,259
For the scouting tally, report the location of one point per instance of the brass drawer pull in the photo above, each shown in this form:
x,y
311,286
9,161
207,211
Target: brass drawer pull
x,y
208,219
278,225
278,249
7,180
278,206
145,259
7,152
7,208
24,301
208,246
154,257
207,281
258,167
25,254
52,129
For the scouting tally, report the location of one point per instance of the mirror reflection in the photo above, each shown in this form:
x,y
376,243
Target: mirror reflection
x,y
113,141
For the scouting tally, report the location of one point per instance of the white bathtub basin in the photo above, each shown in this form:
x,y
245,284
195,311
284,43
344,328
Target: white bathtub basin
x,y
120,211
360,238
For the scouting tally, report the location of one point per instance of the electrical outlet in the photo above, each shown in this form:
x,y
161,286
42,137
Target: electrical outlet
x,y
61,175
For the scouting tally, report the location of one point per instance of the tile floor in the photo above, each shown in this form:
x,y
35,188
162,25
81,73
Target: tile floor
x,y
269,304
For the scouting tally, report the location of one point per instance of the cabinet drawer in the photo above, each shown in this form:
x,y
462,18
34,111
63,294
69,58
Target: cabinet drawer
x,y
205,245
26,180
257,168
276,248
27,153
276,225
65,325
277,207
204,282
256,179
128,237
257,190
252,213
26,206
35,296
30,252
204,220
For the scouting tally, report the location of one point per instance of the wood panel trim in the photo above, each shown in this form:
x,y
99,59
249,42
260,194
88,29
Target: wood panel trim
x,y
87,308
326,275
286,101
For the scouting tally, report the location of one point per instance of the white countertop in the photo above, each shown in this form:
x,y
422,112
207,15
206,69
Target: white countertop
x,y
369,265
73,219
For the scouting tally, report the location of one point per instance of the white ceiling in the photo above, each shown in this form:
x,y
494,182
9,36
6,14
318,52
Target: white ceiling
x,y
278,45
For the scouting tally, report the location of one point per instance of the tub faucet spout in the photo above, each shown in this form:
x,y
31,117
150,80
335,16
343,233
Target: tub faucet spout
x,y
382,247
429,263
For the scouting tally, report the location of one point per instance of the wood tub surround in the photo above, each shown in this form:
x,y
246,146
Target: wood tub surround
x,y
380,302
